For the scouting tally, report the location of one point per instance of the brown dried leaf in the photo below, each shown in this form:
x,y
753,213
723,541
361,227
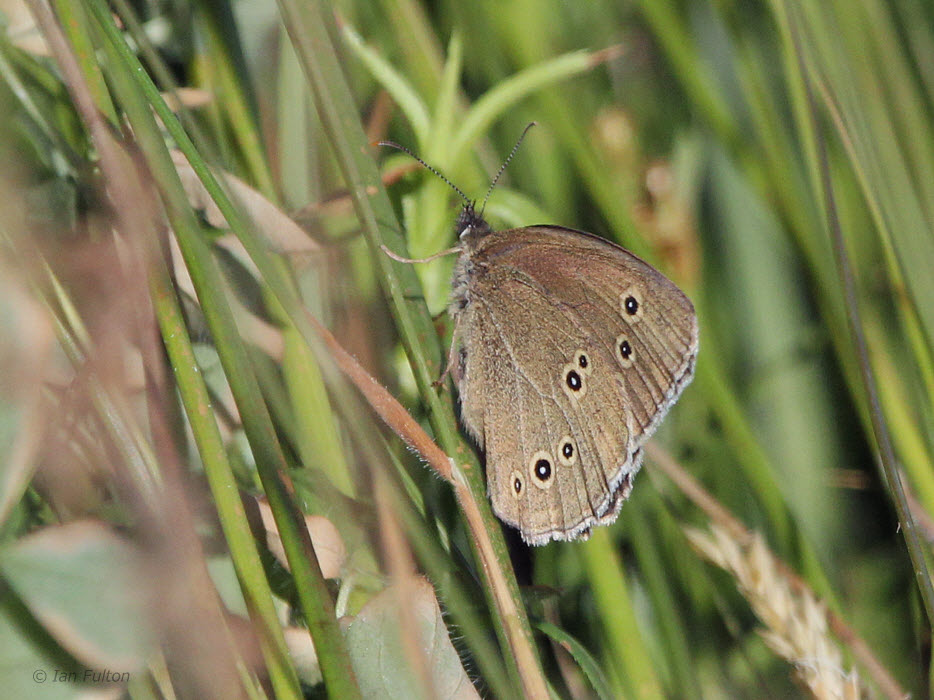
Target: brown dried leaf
x,y
329,547
282,233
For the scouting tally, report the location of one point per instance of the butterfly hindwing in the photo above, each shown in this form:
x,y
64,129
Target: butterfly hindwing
x,y
525,343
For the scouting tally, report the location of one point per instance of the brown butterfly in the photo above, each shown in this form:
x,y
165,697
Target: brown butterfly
x,y
568,352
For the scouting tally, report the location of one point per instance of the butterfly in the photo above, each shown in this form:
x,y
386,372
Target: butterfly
x,y
567,352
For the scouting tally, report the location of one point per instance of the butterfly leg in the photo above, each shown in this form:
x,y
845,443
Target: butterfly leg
x,y
455,363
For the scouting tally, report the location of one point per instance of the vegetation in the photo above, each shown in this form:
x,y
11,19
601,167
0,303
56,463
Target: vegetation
x,y
222,433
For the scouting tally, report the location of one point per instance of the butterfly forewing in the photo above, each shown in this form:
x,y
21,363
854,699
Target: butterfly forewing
x,y
593,278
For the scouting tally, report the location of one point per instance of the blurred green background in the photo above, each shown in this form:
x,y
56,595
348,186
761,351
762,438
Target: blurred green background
x,y
682,130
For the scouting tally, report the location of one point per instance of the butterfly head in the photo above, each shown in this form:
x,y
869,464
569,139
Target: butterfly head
x,y
471,224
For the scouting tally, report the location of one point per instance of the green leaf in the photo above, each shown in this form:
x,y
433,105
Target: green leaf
x,y
415,109
86,586
588,664
379,658
32,664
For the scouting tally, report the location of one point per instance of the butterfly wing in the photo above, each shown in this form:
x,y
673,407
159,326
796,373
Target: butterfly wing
x,y
554,463
561,410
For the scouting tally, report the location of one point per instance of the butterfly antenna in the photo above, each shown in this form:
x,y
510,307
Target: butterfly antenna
x,y
503,166
399,147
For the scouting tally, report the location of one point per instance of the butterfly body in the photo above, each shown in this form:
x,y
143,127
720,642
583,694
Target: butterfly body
x,y
569,351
